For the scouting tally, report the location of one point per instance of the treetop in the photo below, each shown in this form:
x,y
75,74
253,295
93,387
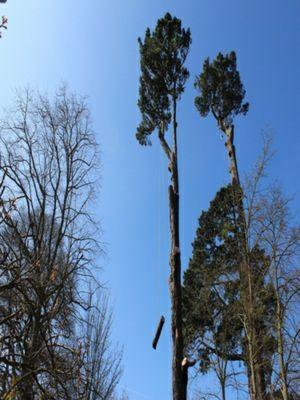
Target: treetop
x,y
221,90
162,56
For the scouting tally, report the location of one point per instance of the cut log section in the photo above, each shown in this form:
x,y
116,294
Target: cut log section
x,y
186,363
158,331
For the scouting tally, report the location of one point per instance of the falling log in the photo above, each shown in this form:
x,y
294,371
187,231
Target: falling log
x,y
158,331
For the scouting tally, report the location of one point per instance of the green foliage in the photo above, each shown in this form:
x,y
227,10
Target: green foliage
x,y
221,91
211,282
163,75
213,293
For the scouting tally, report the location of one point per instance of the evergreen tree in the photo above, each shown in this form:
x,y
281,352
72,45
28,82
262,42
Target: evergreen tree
x,y
222,93
213,292
163,76
211,282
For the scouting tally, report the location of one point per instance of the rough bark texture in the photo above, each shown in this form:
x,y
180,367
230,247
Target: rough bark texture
x,y
179,374
179,388
235,180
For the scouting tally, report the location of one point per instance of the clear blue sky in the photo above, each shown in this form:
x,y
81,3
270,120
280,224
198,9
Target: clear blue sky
x,y
92,45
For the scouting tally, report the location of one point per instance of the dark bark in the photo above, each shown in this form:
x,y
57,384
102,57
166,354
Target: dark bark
x,y
179,380
26,389
223,388
33,352
158,332
262,383
179,373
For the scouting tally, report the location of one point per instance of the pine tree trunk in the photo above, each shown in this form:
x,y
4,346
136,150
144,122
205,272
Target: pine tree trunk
x,y
179,389
256,375
179,375
235,180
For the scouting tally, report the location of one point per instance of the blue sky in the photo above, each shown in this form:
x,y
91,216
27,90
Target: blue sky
x,y
93,46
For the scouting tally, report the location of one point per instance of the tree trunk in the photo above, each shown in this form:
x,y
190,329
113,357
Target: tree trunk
x,y
245,273
251,387
284,386
262,395
30,361
179,374
255,365
235,180
252,375
223,388
26,387
179,391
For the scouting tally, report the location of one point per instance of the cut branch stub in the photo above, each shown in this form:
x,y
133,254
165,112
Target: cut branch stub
x,y
158,332
186,363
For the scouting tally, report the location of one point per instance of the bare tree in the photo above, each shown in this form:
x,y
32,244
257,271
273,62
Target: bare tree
x,y
101,369
277,231
48,159
272,226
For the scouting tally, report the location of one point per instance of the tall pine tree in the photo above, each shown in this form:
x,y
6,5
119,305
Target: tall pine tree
x,y
163,54
222,93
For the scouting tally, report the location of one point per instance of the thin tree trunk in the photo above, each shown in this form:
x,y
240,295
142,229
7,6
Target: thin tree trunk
x,y
251,366
254,365
244,270
179,374
235,179
250,383
284,386
30,360
223,387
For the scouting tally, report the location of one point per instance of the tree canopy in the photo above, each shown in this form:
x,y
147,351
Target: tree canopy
x,y
213,292
221,91
163,75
